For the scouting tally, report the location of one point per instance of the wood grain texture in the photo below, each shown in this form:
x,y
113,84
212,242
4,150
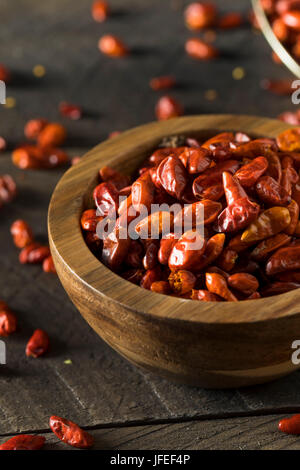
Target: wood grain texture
x,y
99,387
213,345
243,433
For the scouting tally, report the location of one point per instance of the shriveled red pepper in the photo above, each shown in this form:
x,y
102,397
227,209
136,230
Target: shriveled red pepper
x,y
182,281
70,433
172,176
240,211
290,425
284,259
269,223
24,442
251,172
8,321
38,344
187,251
217,284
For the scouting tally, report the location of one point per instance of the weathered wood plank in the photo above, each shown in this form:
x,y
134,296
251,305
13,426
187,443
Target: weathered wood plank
x,y
99,387
255,433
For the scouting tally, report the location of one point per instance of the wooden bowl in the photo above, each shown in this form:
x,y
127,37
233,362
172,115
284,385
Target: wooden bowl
x,y
213,345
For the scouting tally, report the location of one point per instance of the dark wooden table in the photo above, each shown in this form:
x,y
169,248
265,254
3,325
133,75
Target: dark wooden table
x,y
82,378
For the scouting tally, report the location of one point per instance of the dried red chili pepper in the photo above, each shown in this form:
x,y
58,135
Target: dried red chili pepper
x,y
217,284
251,172
34,253
38,344
8,189
70,433
69,110
109,175
115,249
34,127
172,176
150,259
200,212
243,282
292,19
277,288
212,177
269,223
8,321
195,159
162,83
264,248
112,46
205,296
150,276
284,259
52,135
270,192
90,219
230,20
200,15
241,211
187,251
289,140
227,259
5,74
100,10
106,198
24,442
168,108
293,209
200,50
48,265
142,192
155,224
290,425
21,233
161,287
182,281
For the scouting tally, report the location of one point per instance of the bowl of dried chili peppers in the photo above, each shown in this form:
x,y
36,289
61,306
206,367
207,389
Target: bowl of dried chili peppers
x,y
179,243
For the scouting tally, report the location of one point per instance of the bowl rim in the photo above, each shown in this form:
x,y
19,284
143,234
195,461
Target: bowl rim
x,y
70,249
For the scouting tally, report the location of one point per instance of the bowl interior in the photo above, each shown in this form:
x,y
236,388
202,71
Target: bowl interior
x,y
73,194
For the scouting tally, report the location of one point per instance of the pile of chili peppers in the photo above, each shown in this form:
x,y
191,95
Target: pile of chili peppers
x,y
249,192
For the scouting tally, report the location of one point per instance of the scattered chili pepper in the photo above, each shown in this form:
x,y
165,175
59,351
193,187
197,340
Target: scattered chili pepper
x,y
70,433
34,127
38,344
24,442
200,15
168,108
21,233
5,74
8,320
34,254
100,11
48,265
72,111
290,425
52,135
200,50
8,189
112,46
230,21
162,83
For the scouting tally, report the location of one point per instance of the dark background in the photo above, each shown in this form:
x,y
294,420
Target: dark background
x,y
125,407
